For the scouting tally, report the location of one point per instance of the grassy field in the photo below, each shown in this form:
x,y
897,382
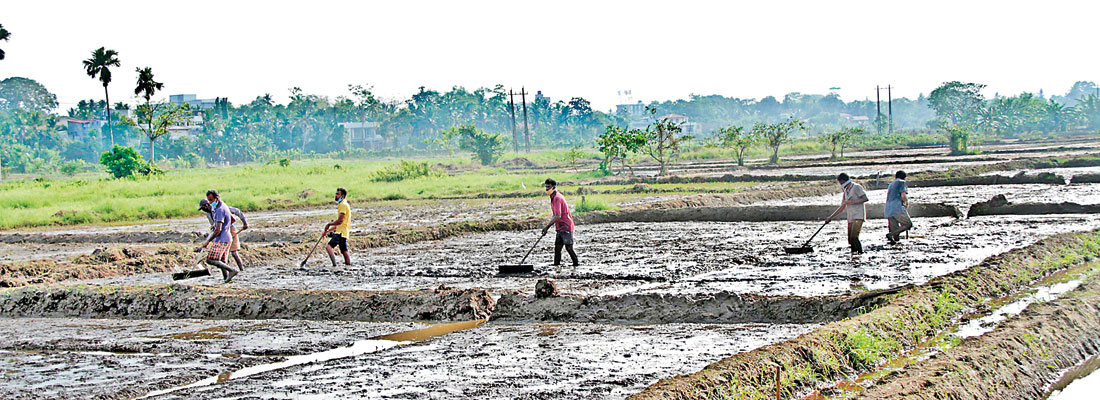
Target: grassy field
x,y
68,201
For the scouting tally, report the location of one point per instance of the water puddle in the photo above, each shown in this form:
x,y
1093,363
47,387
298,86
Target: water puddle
x,y
1079,382
358,348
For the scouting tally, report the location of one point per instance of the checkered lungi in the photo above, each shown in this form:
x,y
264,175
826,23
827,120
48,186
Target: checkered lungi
x,y
218,251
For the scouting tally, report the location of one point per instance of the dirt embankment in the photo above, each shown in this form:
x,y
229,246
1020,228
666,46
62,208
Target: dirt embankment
x,y
1085,178
182,301
968,175
756,213
141,237
1018,179
1018,360
104,262
855,345
720,308
999,205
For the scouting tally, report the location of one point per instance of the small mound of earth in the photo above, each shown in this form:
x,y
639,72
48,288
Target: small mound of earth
x,y
519,162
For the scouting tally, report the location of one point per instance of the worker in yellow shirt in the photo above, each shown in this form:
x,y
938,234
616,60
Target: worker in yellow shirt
x,y
339,229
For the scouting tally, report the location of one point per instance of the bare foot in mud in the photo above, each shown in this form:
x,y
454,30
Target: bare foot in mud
x,y
229,276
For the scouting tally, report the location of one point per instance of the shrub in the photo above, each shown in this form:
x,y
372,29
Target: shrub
x,y
70,168
404,170
124,161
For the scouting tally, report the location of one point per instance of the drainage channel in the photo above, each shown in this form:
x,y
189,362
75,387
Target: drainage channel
x,y
973,325
1079,382
358,348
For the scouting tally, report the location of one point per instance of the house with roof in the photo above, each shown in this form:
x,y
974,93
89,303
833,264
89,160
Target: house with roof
x,y
79,129
363,135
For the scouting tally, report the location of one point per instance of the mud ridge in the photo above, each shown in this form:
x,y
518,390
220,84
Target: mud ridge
x,y
999,205
1020,178
830,353
1085,178
141,237
1018,360
756,213
951,177
194,302
719,308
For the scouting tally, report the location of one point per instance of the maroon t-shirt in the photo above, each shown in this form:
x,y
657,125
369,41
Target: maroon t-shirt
x,y
559,208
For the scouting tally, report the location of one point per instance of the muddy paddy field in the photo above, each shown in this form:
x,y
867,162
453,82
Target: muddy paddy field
x,y
679,294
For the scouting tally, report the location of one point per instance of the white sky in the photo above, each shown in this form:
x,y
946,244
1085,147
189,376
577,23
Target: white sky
x,y
659,50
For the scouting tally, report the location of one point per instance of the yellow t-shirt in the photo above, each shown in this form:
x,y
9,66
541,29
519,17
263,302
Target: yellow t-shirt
x,y
345,227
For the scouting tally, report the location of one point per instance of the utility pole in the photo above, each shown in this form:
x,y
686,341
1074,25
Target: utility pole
x,y
526,131
890,106
878,108
512,110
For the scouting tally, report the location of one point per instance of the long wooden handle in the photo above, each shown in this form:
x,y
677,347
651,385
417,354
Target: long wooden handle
x,y
532,249
815,234
312,251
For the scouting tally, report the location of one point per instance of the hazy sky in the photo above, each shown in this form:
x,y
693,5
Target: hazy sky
x,y
659,50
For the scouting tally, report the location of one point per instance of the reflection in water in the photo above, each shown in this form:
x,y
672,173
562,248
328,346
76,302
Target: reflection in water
x,y
361,347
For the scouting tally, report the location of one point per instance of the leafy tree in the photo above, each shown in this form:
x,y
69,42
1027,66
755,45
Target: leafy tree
x,y
1089,109
617,144
573,155
775,135
86,109
154,119
957,102
738,139
98,67
5,35
487,147
662,142
840,139
124,161
25,94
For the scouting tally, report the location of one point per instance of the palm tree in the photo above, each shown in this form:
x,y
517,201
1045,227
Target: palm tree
x,y
97,67
4,36
146,88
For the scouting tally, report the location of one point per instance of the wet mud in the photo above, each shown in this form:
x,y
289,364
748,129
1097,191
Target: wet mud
x,y
538,361
830,353
671,258
96,375
758,213
965,196
270,337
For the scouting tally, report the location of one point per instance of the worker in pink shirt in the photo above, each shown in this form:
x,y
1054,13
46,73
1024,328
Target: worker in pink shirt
x,y
562,220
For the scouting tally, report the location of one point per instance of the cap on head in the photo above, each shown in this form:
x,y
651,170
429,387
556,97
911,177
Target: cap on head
x,y
550,182
900,175
204,203
843,177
